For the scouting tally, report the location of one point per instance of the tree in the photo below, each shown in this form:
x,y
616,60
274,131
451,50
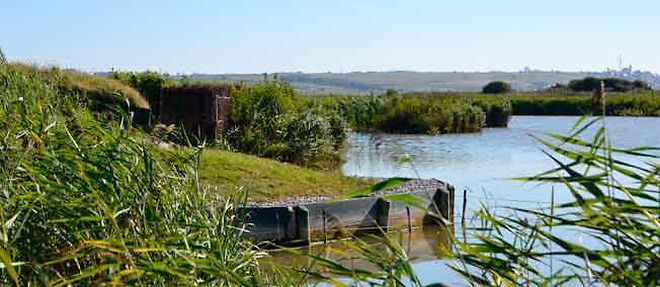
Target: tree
x,y
590,84
641,85
587,84
497,87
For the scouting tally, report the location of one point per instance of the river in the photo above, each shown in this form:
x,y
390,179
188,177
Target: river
x,y
481,163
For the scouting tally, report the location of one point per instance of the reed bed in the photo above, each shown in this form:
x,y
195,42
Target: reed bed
x,y
84,201
416,113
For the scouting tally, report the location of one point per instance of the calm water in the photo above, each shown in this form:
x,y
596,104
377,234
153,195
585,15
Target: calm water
x,y
480,163
483,162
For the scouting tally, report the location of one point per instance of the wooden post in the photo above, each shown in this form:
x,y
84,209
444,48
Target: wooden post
x,y
325,231
409,222
463,227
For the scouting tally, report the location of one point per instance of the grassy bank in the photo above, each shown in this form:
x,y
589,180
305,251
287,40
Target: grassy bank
x,y
270,180
102,90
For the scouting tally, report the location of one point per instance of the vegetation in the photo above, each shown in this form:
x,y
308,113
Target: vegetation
x,y
86,201
83,202
267,121
590,84
617,104
416,113
270,180
149,84
101,90
497,87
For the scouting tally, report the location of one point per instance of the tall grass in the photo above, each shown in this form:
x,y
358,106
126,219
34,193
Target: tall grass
x,y
451,112
85,201
101,90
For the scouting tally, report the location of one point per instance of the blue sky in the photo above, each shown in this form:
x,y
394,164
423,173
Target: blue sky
x,y
340,36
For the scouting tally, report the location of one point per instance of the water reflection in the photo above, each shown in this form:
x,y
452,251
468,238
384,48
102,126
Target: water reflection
x,y
420,245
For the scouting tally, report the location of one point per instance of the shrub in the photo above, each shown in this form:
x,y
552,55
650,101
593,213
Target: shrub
x,y
497,87
309,141
590,84
425,113
267,122
641,85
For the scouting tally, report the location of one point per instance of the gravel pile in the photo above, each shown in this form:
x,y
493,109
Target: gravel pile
x,y
414,185
290,201
410,186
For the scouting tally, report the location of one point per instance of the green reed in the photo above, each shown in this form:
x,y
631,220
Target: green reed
x,y
87,201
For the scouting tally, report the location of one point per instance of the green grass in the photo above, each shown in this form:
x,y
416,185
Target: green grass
x,y
268,180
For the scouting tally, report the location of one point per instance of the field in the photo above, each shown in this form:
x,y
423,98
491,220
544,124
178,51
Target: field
x,y
363,83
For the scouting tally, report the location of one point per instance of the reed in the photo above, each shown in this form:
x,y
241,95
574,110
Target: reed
x,y
84,201
417,113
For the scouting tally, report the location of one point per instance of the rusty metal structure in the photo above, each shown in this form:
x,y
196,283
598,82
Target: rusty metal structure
x,y
203,111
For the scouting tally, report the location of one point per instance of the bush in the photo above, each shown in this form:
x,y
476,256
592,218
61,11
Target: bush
x,y
420,113
497,87
267,122
590,84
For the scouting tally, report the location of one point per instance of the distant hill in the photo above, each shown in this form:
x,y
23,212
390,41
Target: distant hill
x,y
409,81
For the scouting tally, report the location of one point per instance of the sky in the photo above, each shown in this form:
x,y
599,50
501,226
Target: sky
x,y
250,36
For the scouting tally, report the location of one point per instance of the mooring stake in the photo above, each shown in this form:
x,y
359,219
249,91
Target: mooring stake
x,y
409,223
325,233
463,228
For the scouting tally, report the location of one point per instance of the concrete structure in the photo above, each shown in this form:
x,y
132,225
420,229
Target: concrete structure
x,y
203,111
320,221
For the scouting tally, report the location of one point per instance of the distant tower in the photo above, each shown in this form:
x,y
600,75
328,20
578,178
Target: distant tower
x,y
620,62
